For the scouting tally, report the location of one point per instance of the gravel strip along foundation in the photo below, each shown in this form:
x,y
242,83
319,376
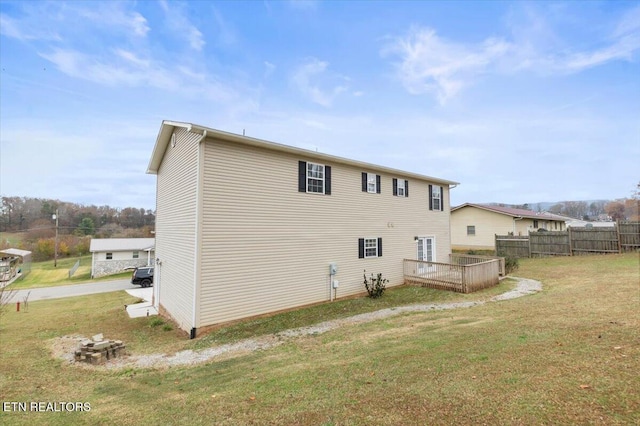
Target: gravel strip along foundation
x,y
190,357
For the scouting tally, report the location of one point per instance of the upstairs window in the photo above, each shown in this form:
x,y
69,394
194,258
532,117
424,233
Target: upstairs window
x,y
370,183
436,198
313,177
400,187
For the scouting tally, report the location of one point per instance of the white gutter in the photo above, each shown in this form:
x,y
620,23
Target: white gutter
x,y
196,262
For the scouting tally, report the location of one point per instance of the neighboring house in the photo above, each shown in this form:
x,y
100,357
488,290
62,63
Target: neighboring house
x,y
474,226
246,227
571,222
114,255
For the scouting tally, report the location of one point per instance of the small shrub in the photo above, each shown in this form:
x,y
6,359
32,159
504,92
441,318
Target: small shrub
x,y
155,322
167,327
375,286
510,264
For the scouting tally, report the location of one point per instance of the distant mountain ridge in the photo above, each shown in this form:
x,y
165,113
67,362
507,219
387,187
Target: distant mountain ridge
x,y
546,205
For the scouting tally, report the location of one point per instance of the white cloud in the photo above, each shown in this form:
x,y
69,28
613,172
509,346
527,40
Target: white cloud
x,y
16,29
126,68
430,64
132,58
269,68
311,75
111,15
180,24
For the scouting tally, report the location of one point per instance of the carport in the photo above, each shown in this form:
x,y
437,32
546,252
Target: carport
x,y
22,265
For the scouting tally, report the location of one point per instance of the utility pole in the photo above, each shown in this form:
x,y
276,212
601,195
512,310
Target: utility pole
x,y
55,249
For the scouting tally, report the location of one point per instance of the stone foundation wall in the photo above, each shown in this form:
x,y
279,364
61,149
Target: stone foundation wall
x,y
110,267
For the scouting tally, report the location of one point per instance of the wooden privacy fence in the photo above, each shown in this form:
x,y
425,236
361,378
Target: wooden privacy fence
x,y
449,276
623,237
629,236
514,246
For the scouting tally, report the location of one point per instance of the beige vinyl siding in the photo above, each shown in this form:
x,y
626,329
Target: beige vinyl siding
x,y
487,225
176,227
267,247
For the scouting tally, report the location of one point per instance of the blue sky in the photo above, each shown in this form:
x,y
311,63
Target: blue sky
x,y
518,101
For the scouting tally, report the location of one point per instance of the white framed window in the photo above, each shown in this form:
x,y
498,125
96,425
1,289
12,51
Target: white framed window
x,y
370,247
371,183
401,188
109,256
471,230
315,178
435,198
136,255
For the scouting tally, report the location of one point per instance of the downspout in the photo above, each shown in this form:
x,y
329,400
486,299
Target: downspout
x,y
449,216
196,262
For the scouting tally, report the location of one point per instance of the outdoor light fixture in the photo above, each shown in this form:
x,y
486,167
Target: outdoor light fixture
x,y
415,239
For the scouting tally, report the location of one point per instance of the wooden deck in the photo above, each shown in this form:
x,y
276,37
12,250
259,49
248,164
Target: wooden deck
x,y
460,278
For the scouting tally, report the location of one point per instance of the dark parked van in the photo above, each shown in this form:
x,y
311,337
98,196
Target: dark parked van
x,y
142,276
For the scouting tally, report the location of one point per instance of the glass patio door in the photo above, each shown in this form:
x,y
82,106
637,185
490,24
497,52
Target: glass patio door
x,y
426,252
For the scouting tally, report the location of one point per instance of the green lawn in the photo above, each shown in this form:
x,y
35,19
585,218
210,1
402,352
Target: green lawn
x,y
12,238
45,274
568,355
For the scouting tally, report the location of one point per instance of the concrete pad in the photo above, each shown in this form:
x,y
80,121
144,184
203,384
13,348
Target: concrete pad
x,y
142,309
142,293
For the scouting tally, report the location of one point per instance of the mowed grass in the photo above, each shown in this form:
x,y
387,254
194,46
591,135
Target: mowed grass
x,y
567,355
45,274
12,238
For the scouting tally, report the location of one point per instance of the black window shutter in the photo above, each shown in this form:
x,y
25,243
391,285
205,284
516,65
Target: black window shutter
x,y
302,176
406,188
441,199
379,247
364,182
430,197
378,184
395,186
361,248
327,180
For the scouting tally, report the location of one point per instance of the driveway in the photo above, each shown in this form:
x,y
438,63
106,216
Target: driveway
x,y
72,290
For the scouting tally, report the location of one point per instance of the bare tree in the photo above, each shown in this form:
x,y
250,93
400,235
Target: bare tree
x,y
615,209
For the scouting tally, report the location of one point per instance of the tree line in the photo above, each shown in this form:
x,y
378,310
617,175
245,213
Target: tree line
x,y
613,210
34,219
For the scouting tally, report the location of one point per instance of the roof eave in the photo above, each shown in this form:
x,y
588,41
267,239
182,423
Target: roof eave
x,y
168,126
162,141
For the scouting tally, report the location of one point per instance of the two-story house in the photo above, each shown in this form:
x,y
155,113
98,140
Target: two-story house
x,y
246,227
